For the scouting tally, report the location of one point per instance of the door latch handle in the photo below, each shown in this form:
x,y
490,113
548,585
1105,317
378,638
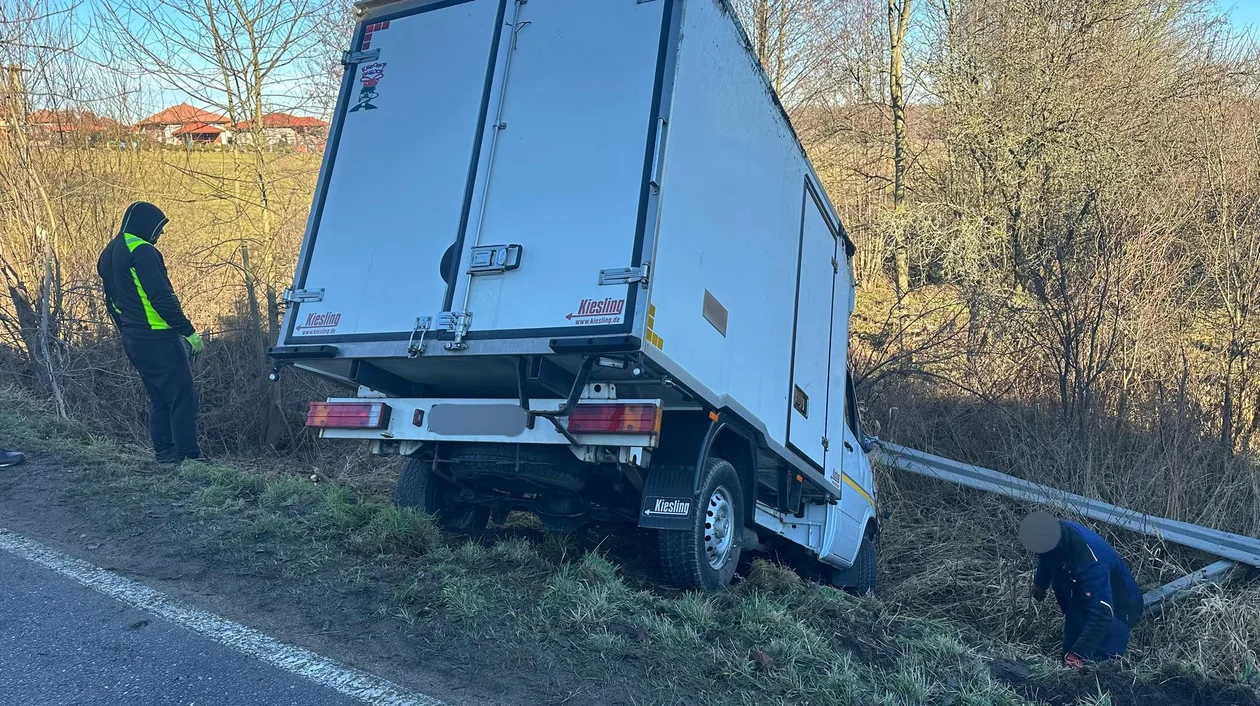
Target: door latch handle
x,y
848,446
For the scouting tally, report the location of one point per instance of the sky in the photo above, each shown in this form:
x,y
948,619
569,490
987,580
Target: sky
x,y
1243,12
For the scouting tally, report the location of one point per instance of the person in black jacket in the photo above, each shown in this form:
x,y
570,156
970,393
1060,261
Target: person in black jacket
x,y
1100,600
139,297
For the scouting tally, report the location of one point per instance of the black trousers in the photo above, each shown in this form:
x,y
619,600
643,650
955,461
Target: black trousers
x,y
167,376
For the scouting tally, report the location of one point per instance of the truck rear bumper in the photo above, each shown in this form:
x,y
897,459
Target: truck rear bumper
x,y
480,421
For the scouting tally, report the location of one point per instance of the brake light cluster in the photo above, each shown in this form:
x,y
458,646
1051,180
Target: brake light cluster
x,y
348,415
615,419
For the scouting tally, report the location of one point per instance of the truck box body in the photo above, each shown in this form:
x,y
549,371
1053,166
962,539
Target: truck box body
x,y
555,178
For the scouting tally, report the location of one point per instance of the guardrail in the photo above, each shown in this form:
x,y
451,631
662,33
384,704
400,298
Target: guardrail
x,y
1232,548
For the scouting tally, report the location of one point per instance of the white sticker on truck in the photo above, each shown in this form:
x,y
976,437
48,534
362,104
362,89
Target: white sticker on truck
x,y
594,312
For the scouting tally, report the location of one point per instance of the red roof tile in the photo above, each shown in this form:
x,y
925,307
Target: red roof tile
x,y
183,114
285,120
199,129
71,121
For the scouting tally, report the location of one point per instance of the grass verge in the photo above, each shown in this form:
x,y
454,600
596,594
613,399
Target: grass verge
x,y
520,604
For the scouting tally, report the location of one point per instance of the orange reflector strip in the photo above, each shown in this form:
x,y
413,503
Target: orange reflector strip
x,y
348,415
714,416
615,419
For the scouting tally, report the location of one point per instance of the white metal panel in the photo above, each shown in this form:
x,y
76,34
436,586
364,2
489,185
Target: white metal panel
x,y
397,188
567,174
811,360
730,222
809,531
844,448
842,538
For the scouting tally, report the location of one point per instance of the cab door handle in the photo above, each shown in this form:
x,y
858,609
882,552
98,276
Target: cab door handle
x,y
848,446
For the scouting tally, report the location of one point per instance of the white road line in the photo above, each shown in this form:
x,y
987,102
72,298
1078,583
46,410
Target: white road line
x,y
346,680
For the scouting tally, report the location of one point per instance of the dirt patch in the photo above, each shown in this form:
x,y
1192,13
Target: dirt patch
x,y
1169,688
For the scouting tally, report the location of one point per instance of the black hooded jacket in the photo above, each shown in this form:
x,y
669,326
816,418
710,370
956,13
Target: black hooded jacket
x,y
138,293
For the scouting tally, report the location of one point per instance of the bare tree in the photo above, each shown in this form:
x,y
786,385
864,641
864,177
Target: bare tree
x,y
36,39
898,27
244,58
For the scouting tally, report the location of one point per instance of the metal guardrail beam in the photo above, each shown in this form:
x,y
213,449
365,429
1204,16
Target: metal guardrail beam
x,y
1239,548
1156,600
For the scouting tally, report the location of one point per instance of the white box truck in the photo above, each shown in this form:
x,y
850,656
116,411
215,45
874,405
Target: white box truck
x,y
574,261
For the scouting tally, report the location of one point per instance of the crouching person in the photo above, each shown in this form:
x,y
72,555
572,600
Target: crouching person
x,y
1095,589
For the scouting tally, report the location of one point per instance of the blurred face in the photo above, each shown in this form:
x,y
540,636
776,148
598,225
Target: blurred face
x,y
1039,532
158,233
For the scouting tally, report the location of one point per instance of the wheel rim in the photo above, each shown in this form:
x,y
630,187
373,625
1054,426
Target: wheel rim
x,y
718,534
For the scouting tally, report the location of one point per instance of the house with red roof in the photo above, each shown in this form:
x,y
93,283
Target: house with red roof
x,y
302,132
184,124
72,125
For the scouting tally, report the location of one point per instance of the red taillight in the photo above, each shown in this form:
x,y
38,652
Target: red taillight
x,y
615,419
348,415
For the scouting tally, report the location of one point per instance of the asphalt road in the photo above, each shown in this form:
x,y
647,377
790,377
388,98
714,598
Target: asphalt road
x,y
62,643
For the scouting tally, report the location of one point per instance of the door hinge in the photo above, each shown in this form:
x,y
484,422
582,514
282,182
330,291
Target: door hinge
x,y
826,444
835,265
353,58
302,296
459,322
625,275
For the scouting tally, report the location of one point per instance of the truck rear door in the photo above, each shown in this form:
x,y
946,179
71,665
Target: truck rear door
x,y
398,173
566,177
483,124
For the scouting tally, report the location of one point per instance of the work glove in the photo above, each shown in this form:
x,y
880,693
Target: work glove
x,y
1038,593
195,344
1073,660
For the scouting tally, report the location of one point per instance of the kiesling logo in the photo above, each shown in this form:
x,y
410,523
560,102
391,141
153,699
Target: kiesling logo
x,y
316,324
598,311
665,506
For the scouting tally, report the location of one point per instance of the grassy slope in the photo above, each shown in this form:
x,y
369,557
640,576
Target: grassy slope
x,y
517,600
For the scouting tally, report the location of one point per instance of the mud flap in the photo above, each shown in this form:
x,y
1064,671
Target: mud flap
x,y
668,498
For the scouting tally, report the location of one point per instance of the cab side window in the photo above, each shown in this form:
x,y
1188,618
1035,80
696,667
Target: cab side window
x,y
851,408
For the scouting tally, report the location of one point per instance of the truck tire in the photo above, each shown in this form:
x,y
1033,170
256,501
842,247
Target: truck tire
x,y
704,557
418,487
542,468
861,578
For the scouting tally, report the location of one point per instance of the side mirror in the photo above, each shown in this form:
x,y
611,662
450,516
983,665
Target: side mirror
x,y
869,443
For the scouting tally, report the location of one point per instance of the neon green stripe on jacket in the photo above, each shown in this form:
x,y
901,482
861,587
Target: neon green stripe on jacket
x,y
156,322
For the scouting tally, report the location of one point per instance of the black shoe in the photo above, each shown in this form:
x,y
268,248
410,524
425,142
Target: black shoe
x,y
10,458
170,459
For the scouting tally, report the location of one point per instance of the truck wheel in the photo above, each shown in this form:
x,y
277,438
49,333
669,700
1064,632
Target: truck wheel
x,y
860,578
418,487
704,557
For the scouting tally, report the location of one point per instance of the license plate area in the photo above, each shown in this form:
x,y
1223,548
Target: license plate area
x,y
477,420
